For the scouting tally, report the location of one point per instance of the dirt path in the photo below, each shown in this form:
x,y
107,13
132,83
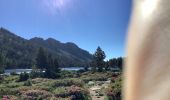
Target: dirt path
x,y
95,91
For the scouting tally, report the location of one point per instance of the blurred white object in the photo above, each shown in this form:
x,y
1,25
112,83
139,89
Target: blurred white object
x,y
147,69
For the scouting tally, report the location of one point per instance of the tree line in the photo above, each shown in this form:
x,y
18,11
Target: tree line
x,y
48,66
98,63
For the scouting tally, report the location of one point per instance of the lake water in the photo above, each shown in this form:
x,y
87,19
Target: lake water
x,y
72,68
19,71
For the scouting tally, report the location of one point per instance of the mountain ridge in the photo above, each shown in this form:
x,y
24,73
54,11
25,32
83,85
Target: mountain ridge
x,y
21,52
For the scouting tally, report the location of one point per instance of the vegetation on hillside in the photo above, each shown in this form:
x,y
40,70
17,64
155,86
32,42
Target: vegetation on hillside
x,y
21,53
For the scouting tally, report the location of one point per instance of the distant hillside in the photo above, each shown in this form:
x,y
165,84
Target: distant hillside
x,y
21,53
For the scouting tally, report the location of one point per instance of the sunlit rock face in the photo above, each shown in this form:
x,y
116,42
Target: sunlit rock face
x,y
147,69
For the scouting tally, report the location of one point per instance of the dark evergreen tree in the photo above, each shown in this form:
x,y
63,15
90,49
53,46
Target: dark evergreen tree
x,y
113,62
86,68
93,65
99,57
52,70
116,63
50,64
56,66
120,62
23,77
107,67
2,63
41,60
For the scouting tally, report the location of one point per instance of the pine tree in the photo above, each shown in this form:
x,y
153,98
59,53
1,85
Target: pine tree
x,y
116,63
52,70
99,57
93,65
56,66
86,68
2,63
49,70
120,62
41,60
107,67
113,62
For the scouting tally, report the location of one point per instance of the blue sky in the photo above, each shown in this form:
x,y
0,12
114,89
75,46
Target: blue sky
x,y
88,23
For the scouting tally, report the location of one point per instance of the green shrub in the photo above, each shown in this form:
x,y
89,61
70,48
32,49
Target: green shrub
x,y
23,77
60,90
26,88
9,97
11,78
8,91
36,74
67,74
42,82
1,79
13,73
36,95
78,93
114,90
68,82
74,92
81,71
27,83
88,76
13,85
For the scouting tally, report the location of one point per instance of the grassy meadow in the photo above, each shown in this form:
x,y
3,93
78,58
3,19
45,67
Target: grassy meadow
x,y
71,85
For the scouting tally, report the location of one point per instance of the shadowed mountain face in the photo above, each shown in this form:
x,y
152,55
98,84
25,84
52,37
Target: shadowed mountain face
x,y
21,53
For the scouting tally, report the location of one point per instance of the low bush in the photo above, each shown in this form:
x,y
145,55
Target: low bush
x,y
23,77
36,95
36,74
13,73
13,85
1,79
67,74
95,77
81,71
8,91
74,92
78,93
9,79
40,80
68,82
26,88
27,83
60,90
9,97
114,90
